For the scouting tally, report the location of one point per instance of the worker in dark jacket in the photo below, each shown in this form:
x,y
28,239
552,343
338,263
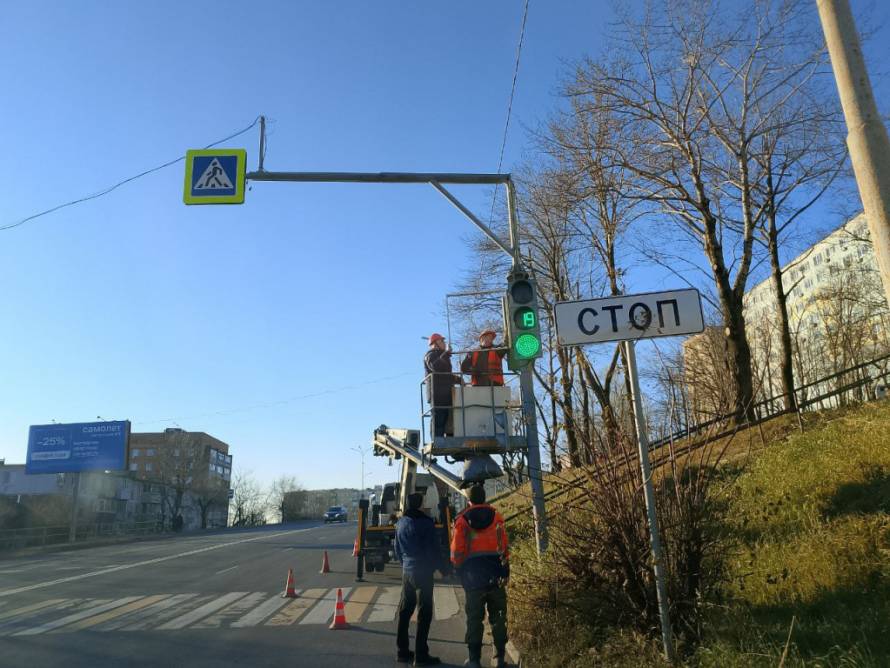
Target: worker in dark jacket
x,y
416,548
485,366
440,379
480,553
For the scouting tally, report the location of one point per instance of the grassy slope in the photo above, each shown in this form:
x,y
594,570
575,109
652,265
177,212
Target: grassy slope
x,y
809,540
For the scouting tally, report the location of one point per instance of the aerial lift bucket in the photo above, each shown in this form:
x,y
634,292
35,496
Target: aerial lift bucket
x,y
478,469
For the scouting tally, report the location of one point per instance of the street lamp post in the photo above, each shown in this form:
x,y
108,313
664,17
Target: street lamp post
x,y
361,488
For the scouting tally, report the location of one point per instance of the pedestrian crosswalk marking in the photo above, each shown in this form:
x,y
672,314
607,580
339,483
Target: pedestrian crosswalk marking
x,y
323,612
386,605
233,611
164,612
30,609
76,617
200,613
358,603
445,602
259,613
295,609
154,614
114,613
20,621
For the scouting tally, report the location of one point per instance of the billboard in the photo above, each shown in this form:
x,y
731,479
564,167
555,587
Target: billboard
x,y
86,446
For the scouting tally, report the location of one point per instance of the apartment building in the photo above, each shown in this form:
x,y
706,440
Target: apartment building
x,y
837,312
190,464
838,317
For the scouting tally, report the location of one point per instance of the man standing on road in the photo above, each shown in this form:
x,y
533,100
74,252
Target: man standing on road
x,y
417,550
479,552
485,366
437,364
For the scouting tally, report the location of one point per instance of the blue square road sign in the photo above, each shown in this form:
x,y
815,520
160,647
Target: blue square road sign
x,y
215,176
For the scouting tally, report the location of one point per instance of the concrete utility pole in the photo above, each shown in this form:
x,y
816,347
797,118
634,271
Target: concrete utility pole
x,y
866,135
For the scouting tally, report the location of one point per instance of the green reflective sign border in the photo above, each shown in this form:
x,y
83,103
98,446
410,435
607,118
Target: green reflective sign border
x,y
240,176
527,345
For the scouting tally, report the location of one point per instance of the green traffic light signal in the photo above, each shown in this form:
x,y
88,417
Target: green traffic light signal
x,y
522,326
527,345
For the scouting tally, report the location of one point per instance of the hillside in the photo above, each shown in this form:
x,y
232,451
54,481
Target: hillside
x,y
800,563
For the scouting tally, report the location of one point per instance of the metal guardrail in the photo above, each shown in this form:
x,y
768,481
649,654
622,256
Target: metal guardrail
x,y
16,539
837,393
774,406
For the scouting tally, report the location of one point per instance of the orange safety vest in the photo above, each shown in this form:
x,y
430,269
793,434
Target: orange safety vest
x,y
467,543
494,370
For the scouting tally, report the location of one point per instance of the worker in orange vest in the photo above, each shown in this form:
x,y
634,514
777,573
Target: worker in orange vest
x,y
479,552
485,366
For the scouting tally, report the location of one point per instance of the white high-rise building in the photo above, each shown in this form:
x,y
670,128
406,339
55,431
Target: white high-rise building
x,y
837,313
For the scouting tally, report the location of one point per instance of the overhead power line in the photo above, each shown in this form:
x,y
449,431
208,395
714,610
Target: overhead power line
x,y
510,103
279,402
124,182
513,85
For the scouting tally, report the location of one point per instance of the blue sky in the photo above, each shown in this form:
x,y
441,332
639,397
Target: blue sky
x,y
224,319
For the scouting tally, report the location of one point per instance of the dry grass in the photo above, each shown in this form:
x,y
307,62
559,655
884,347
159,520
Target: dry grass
x,y
807,538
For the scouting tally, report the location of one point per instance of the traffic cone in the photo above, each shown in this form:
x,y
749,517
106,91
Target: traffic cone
x,y
339,613
289,591
325,566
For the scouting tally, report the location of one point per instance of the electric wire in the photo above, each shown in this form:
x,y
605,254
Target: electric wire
x,y
280,402
124,182
510,105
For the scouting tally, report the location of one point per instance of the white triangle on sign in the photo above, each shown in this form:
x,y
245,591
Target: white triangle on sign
x,y
213,178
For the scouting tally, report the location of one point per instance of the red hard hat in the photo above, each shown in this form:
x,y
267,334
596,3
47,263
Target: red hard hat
x,y
488,332
435,336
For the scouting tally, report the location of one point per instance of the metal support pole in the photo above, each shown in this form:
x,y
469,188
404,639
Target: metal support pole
x,y
362,525
527,387
866,134
262,156
472,218
513,217
72,530
649,492
380,177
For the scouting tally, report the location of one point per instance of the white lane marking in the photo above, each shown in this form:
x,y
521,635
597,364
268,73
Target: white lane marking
x,y
200,613
260,612
226,570
323,611
445,602
386,605
148,562
145,618
76,617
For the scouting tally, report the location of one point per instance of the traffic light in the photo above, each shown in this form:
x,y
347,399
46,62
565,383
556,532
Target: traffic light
x,y
521,321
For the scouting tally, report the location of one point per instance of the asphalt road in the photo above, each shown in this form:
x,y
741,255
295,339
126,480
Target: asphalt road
x,y
210,600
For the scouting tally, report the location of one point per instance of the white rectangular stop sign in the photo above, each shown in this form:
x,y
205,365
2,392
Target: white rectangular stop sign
x,y
643,316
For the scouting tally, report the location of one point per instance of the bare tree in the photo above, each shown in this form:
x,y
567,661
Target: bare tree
x,y
697,90
248,504
280,498
800,155
601,211
845,325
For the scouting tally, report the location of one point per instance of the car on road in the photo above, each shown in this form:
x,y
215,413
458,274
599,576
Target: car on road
x,y
335,514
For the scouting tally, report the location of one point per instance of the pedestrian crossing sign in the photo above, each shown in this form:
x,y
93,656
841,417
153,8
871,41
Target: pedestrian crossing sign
x,y
215,176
